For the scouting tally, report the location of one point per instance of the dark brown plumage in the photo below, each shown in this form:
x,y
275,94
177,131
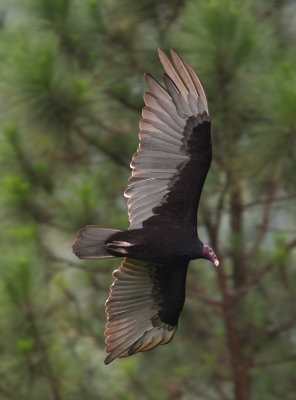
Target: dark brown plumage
x,y
168,173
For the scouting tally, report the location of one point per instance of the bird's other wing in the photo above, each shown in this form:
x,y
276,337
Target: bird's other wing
x,y
174,153
143,306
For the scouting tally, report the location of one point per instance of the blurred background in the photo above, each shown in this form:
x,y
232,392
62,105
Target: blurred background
x,y
71,80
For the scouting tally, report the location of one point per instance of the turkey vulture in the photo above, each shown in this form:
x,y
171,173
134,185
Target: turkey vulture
x,y
168,173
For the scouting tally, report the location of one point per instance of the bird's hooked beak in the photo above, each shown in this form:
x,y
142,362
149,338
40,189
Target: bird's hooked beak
x,y
209,254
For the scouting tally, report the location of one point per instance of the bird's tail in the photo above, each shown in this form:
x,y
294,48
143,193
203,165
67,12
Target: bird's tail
x,y
90,241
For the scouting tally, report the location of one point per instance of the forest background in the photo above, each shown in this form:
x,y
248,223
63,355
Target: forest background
x,y
71,80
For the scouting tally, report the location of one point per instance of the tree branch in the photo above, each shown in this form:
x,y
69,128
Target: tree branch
x,y
89,140
264,222
123,100
268,363
175,14
238,363
242,290
215,304
220,203
5,393
291,245
275,199
284,326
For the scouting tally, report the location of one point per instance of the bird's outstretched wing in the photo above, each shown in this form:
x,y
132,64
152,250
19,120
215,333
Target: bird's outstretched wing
x,y
143,306
174,153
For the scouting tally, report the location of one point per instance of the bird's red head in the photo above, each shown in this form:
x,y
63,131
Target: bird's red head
x,y
209,254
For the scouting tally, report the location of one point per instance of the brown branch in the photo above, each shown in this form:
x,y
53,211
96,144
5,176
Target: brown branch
x,y
123,101
91,141
215,304
5,393
175,14
239,366
207,299
275,199
264,222
291,245
242,290
222,394
268,363
284,326
238,258
239,363
274,7
107,128
220,203
210,226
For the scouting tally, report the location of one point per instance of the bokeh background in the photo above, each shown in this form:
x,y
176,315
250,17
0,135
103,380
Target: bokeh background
x,y
71,87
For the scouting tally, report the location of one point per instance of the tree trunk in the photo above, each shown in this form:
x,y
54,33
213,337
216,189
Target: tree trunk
x,y
236,222
236,335
236,343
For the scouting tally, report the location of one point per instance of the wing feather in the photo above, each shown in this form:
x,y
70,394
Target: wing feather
x,y
202,99
174,144
184,74
172,73
143,312
151,100
158,116
157,89
151,143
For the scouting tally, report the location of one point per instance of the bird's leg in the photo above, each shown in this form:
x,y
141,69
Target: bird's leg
x,y
118,247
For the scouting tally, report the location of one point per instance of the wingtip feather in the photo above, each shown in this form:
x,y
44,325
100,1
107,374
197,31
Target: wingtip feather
x,y
160,51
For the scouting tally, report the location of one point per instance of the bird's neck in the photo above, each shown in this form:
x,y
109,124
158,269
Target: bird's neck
x,y
194,249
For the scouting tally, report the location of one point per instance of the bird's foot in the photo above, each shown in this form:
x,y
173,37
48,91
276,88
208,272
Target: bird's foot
x,y
120,247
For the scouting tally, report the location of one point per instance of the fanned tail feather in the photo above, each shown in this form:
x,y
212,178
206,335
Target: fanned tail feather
x,y
90,241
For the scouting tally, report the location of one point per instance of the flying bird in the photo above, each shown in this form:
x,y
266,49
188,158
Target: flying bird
x,y
168,173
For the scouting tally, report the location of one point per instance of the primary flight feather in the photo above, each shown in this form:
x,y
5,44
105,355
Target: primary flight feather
x,y
168,173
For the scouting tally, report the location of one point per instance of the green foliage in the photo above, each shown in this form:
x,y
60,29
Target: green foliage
x,y
18,190
22,233
280,256
55,11
18,282
274,137
226,33
25,345
44,87
284,85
